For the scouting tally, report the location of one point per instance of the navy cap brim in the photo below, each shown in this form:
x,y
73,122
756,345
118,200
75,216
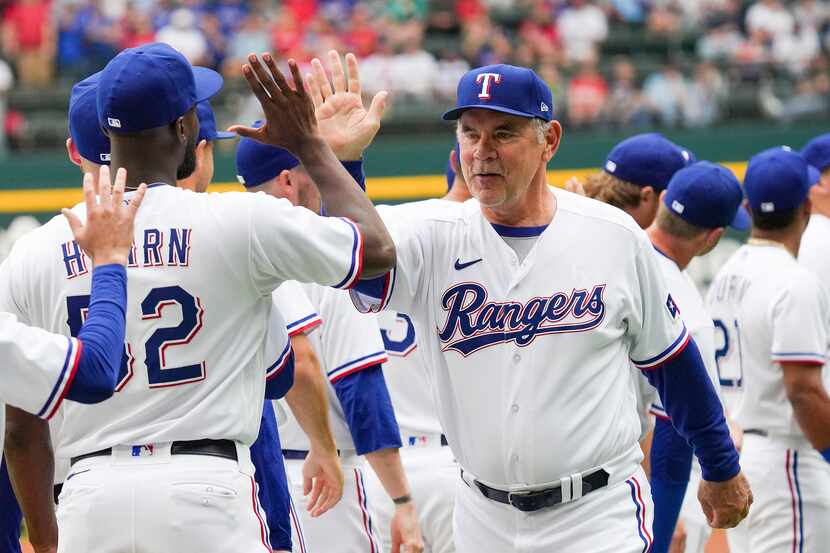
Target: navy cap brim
x,y
455,113
224,135
208,83
741,221
814,175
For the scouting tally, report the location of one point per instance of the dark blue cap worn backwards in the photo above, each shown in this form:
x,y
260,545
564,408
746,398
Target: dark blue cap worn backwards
x,y
778,179
151,86
817,152
504,88
648,159
91,142
257,163
707,195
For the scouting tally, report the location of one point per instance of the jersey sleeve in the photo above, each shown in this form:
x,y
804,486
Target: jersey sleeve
x,y
293,243
655,327
800,322
300,315
38,366
401,287
277,345
350,340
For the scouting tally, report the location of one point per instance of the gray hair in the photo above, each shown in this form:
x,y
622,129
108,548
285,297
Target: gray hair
x,y
541,127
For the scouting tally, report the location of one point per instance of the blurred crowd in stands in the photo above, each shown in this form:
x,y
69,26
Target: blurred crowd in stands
x,y
613,63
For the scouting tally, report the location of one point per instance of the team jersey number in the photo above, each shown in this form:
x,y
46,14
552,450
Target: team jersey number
x,y
159,375
728,355
399,339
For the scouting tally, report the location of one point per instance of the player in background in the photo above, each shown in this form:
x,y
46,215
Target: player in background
x,y
528,430
426,456
43,369
634,174
323,465
250,245
348,345
86,142
814,252
699,203
770,315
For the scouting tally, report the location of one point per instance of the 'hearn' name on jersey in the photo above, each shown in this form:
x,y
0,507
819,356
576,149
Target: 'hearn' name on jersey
x,y
473,323
155,251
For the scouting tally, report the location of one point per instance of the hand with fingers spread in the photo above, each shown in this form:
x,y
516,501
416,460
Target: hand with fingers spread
x,y
574,185
107,234
323,479
289,112
725,504
344,122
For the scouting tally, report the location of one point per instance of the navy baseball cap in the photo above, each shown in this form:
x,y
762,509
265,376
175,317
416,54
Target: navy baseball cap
x,y
207,124
817,152
778,179
151,86
707,195
84,129
504,88
257,163
648,159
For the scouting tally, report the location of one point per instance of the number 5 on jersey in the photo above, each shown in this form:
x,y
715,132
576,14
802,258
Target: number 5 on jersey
x,y
159,375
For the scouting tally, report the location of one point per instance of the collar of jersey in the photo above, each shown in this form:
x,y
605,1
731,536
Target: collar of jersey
x,y
156,184
518,232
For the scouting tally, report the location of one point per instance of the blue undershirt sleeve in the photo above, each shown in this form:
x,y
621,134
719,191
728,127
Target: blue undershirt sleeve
x,y
368,410
355,169
671,463
696,412
101,336
277,385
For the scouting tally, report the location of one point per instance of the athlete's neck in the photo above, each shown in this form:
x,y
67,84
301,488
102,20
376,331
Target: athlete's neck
x,y
675,249
535,209
789,238
144,163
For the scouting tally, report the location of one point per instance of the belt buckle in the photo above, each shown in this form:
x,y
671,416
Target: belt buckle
x,y
530,501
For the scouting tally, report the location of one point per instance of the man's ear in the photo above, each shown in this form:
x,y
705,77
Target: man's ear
x,y
553,139
284,179
647,193
72,152
181,129
715,234
201,149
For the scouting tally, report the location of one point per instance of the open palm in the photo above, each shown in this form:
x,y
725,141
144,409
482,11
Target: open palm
x,y
342,119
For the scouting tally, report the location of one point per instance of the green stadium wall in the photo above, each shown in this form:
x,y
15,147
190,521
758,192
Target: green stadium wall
x,y
400,168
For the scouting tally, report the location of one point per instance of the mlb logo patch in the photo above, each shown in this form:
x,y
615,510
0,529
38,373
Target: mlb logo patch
x,y
143,450
672,307
113,122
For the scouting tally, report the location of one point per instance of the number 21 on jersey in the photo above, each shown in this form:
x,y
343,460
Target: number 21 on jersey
x,y
728,355
159,374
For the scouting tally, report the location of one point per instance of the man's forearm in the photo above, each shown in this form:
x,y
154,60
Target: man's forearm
x,y
387,465
31,465
342,200
307,398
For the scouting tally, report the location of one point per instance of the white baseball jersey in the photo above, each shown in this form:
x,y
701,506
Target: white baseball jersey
x,y
767,309
814,252
346,342
200,275
531,359
38,368
697,320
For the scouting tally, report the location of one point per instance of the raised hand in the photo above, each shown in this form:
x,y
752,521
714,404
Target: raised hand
x,y
289,112
344,122
107,234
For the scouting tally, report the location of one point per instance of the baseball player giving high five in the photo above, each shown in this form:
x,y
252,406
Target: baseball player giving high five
x,y
166,460
534,300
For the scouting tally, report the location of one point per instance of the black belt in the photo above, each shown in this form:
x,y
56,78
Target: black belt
x,y
225,449
756,432
297,454
444,441
539,499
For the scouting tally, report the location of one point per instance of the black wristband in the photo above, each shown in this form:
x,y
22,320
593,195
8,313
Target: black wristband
x,y
402,500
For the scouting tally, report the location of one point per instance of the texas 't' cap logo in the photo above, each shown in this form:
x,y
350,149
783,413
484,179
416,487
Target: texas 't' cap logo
x,y
486,80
